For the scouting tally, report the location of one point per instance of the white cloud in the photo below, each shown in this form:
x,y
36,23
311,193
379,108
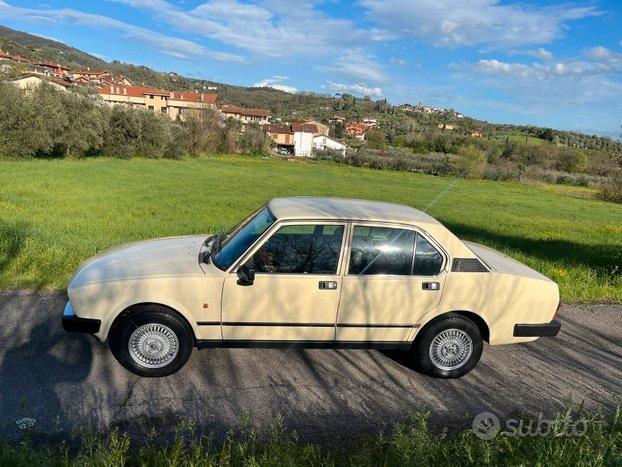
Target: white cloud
x,y
537,53
474,22
359,89
276,82
358,65
172,46
275,27
589,78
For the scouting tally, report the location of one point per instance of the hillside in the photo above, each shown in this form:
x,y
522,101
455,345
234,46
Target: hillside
x,y
395,122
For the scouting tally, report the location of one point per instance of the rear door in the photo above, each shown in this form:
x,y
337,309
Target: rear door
x,y
394,275
295,294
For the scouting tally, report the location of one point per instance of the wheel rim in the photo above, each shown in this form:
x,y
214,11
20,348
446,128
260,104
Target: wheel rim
x,y
451,349
153,345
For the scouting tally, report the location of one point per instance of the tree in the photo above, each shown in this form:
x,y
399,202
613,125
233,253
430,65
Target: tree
x,y
572,160
376,139
470,163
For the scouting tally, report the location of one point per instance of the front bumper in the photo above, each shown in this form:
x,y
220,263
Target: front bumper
x,y
73,323
537,330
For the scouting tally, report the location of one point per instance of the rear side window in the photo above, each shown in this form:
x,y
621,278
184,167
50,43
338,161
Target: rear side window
x,y
301,249
428,260
381,250
398,252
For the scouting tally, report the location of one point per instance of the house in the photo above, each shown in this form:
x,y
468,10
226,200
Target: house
x,y
244,115
324,142
369,122
294,138
5,55
476,134
54,68
30,81
446,126
356,129
92,74
321,128
336,119
171,103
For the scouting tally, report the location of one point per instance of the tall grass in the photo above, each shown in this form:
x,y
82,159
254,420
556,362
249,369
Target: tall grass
x,y
412,443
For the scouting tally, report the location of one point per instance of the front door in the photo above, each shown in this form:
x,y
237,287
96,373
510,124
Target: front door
x,y
394,276
295,294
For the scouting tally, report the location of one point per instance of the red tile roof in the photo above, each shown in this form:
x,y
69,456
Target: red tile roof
x,y
234,109
305,127
140,91
278,128
206,98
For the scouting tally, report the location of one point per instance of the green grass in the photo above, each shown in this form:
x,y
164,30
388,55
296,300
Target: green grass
x,y
56,213
597,442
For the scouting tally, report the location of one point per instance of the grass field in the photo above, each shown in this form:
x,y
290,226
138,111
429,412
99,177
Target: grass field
x,y
56,213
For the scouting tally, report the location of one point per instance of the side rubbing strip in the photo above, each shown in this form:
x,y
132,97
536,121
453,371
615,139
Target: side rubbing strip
x,y
468,265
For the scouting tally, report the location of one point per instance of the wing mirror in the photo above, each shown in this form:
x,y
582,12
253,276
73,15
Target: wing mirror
x,y
246,275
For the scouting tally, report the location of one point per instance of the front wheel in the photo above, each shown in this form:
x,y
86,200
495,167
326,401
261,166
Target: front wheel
x,y
154,341
449,346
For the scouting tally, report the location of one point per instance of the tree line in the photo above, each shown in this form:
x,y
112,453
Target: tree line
x,y
47,122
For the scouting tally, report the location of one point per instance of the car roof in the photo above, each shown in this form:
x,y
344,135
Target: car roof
x,y
347,209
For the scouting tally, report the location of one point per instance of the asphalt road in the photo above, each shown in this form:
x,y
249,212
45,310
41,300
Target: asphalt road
x,y
68,382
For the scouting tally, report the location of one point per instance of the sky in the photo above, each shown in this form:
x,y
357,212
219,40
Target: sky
x,y
548,63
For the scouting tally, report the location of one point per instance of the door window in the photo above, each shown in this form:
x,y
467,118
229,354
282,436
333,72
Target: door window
x,y
300,249
381,250
428,260
385,250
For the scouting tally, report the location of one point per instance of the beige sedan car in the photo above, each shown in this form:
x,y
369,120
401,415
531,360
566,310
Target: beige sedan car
x,y
312,272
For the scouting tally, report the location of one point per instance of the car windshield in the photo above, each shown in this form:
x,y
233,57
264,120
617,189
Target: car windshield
x,y
234,244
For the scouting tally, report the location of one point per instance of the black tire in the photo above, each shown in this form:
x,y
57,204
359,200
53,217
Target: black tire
x,y
119,338
421,349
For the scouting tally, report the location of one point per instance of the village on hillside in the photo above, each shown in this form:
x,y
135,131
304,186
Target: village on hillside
x,y
300,138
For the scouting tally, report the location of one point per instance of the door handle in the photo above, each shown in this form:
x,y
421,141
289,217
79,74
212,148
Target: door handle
x,y
328,285
430,286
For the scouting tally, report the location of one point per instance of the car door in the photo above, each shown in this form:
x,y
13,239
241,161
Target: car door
x,y
394,275
295,294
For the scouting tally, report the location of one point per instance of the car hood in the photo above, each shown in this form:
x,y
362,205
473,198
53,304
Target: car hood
x,y
174,256
499,262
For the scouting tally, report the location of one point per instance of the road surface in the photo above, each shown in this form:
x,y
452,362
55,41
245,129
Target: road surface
x,y
70,381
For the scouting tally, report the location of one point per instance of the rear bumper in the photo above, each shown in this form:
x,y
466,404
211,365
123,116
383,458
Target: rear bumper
x,y
73,323
537,330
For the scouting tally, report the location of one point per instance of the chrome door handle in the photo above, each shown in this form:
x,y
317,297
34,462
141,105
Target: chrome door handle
x,y
328,285
430,286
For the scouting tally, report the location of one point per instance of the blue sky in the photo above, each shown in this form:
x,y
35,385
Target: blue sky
x,y
549,63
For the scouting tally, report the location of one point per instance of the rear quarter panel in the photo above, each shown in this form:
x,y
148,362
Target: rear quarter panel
x,y
501,299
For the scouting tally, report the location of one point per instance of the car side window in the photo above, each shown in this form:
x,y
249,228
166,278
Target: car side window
x,y
300,249
381,250
428,260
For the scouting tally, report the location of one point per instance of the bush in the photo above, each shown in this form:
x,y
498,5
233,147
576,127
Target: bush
x,y
375,139
611,190
470,163
572,160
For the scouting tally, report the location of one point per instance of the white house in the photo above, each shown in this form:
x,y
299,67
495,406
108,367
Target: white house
x,y
323,142
303,143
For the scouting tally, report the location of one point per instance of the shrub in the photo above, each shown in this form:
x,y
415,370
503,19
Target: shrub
x,y
572,160
470,163
611,190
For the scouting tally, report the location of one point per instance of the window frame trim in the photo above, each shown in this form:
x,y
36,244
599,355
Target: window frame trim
x,y
287,222
399,226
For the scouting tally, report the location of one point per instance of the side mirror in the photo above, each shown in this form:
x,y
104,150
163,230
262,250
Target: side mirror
x,y
246,275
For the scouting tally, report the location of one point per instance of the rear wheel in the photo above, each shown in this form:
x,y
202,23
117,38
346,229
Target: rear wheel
x,y
154,341
449,346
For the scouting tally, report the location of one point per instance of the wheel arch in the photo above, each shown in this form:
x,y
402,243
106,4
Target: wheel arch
x,y
138,306
477,318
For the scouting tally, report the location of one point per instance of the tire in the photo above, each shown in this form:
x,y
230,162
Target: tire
x,y
161,340
448,347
